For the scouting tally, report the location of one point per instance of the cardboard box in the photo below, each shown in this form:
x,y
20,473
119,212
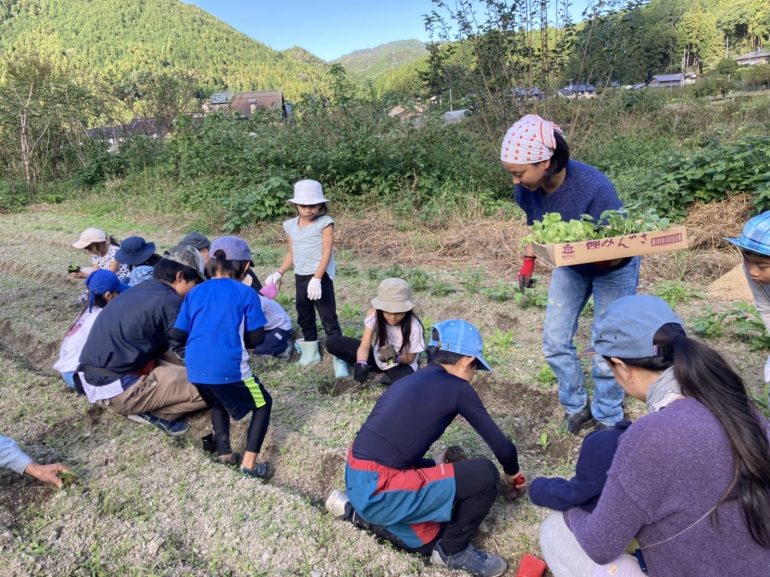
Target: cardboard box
x,y
640,243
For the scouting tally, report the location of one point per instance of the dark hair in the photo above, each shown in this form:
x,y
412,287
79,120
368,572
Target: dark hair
x,y
560,156
166,270
152,260
113,241
750,253
100,300
437,356
704,375
381,329
218,265
321,212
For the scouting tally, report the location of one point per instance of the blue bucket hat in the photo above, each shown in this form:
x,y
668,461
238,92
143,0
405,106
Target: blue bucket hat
x,y
234,247
103,281
134,250
628,328
196,239
461,337
755,236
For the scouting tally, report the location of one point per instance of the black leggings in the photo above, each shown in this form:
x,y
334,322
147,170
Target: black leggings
x,y
346,348
326,307
220,421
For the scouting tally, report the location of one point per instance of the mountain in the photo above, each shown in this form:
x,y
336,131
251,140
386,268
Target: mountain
x,y
113,39
373,62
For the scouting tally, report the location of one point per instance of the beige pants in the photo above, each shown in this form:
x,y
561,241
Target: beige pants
x,y
165,393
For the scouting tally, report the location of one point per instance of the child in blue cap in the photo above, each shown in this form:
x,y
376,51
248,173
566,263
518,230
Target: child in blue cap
x,y
103,285
754,243
220,320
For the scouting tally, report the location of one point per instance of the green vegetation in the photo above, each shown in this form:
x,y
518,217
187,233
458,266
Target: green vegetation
x,y
372,63
552,229
741,320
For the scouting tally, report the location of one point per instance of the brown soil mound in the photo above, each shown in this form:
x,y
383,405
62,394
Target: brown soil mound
x,y
731,287
708,223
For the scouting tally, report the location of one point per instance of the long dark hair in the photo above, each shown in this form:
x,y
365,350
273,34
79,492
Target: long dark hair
x,y
381,329
704,375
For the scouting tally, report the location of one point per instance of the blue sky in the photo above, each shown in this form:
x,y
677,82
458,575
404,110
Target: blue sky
x,y
328,28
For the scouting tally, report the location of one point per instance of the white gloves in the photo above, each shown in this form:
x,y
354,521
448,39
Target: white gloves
x,y
767,370
314,289
274,278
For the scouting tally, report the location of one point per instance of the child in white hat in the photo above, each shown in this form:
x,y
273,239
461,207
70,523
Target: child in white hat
x,y
392,339
102,247
311,253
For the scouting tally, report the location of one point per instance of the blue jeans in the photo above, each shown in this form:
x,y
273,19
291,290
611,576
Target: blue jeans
x,y
567,295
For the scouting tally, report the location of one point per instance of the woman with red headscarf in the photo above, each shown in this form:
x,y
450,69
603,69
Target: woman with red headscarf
x,y
535,154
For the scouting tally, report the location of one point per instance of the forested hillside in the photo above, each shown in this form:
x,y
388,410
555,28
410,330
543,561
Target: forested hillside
x,y
113,39
371,63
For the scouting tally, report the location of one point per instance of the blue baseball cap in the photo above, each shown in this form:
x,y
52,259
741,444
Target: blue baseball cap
x,y
461,337
755,235
103,281
628,328
234,247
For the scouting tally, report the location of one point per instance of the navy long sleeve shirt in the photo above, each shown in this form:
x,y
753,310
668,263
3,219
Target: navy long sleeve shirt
x,y
416,410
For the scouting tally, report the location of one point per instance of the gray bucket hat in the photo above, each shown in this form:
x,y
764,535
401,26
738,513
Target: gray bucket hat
x,y
188,256
393,296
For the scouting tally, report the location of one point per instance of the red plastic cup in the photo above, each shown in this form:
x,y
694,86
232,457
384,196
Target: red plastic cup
x,y
530,566
269,290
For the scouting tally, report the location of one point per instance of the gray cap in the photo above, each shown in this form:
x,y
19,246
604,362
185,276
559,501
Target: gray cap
x,y
197,240
188,256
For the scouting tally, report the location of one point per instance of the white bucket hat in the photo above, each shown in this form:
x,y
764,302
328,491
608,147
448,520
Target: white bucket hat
x,y
308,193
90,236
393,296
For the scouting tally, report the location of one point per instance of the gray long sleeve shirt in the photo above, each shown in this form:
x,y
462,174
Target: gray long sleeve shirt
x,y
12,457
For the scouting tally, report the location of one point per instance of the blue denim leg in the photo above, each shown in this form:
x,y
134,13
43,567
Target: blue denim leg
x,y
608,396
567,295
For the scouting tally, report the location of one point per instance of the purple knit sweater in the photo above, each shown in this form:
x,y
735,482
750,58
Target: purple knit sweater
x,y
669,471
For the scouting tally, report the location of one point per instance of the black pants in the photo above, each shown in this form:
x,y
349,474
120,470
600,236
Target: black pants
x,y
476,490
346,349
326,307
220,418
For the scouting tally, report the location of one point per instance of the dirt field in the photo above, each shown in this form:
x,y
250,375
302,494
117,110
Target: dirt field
x,y
146,504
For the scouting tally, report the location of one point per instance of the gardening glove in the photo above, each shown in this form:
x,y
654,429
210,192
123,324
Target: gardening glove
x,y
274,278
361,372
314,289
525,273
767,370
387,353
517,483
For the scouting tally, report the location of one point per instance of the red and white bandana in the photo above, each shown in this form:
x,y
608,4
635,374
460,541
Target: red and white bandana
x,y
529,140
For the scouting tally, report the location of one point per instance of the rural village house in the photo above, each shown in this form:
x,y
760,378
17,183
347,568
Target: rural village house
x,y
753,58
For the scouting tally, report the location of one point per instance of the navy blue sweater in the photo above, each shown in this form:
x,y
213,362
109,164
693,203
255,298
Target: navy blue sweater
x,y
416,410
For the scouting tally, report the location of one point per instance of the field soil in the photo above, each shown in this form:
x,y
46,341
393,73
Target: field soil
x,y
146,504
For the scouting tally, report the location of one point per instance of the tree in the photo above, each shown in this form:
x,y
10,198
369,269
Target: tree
x,y
41,112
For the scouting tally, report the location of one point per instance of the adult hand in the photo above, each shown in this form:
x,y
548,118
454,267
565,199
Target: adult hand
x,y
525,273
274,278
387,353
361,372
47,473
314,289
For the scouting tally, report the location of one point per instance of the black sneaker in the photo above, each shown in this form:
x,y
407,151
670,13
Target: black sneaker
x,y
475,561
575,422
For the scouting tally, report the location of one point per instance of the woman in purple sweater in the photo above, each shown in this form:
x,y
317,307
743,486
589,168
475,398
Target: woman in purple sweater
x,y
691,483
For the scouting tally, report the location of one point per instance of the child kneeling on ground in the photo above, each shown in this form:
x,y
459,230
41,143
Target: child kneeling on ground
x,y
103,285
218,322
393,336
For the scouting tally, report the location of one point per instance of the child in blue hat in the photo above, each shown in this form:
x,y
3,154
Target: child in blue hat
x,y
754,243
220,320
103,285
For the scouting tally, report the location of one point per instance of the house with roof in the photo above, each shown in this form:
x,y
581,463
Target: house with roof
x,y
245,104
150,127
666,80
573,90
527,93
754,58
